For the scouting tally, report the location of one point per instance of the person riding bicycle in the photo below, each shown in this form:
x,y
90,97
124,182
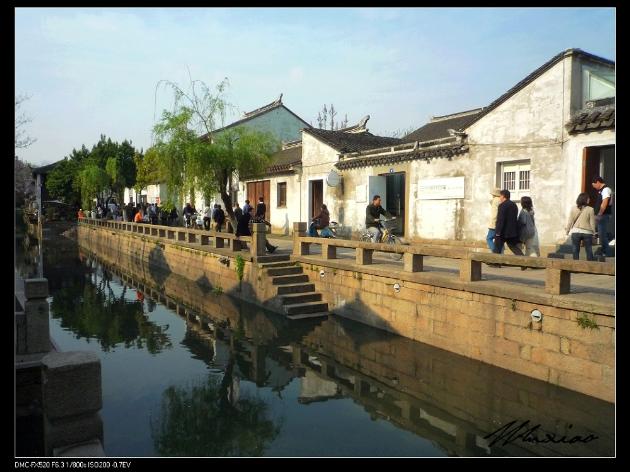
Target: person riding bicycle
x,y
372,218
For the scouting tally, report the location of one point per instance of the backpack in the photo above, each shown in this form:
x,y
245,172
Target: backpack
x,y
528,229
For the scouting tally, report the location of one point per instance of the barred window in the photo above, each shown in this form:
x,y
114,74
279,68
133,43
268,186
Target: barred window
x,y
523,180
509,180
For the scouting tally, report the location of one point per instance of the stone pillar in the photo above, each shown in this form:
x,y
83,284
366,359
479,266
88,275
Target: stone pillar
x,y
258,239
329,251
36,330
469,270
71,399
364,256
558,281
412,262
299,231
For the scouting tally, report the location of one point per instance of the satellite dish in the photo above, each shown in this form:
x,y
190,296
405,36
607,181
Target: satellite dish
x,y
333,178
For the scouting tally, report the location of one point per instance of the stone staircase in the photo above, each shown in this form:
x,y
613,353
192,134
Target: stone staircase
x,y
296,294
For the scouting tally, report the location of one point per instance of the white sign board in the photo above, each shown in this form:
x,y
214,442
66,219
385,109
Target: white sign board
x,y
361,192
441,189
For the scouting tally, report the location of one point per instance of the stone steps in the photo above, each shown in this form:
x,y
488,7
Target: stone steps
x,y
294,298
270,265
296,288
275,258
305,308
296,294
273,271
289,279
321,314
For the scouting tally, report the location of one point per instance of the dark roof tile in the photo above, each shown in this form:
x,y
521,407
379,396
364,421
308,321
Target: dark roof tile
x,y
438,128
591,119
352,142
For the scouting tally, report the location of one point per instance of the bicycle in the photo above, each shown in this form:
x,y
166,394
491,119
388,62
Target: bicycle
x,y
387,237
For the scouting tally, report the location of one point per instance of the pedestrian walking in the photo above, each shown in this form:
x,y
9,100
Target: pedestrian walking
x,y
528,233
603,206
507,226
582,225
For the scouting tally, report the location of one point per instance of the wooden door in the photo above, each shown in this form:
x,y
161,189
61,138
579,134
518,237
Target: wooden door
x,y
262,188
317,197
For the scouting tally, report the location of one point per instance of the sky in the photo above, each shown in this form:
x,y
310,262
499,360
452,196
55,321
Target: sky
x,y
93,71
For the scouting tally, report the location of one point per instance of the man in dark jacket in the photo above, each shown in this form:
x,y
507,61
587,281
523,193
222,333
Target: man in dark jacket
x,y
261,208
373,213
242,228
507,225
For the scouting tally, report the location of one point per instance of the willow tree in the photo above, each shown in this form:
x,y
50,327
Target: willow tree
x,y
193,156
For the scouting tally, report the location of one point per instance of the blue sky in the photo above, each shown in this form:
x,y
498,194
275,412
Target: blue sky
x,y
94,71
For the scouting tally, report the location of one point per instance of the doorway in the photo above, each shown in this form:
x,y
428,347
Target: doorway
x,y
317,196
599,161
394,201
262,188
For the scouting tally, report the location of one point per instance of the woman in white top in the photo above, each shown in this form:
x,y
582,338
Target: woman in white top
x,y
581,226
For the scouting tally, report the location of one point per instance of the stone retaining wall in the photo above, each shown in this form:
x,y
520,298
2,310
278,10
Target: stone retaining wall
x,y
488,328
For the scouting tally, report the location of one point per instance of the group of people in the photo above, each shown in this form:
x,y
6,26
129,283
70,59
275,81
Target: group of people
x,y
518,229
248,215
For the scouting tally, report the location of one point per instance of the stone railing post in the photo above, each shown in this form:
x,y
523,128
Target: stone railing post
x,y
258,239
299,231
71,399
36,333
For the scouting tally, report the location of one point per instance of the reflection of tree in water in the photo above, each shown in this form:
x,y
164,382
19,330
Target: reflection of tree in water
x,y
92,310
212,419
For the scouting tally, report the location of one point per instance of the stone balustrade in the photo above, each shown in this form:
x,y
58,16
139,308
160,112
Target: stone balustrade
x,y
222,240
558,271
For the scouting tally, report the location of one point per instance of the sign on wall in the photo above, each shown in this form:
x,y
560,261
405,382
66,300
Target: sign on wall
x,y
360,193
441,189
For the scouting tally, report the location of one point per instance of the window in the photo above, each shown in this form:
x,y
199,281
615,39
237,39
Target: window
x,y
515,177
282,194
597,84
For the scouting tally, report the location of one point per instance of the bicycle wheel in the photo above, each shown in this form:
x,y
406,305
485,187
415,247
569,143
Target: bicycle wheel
x,y
366,238
392,239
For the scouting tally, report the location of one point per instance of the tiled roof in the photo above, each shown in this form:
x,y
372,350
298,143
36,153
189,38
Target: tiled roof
x,y
258,112
537,73
438,127
592,119
385,159
281,162
47,168
351,142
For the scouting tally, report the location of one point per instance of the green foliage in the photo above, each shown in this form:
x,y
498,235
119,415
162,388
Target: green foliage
x,y
63,182
584,321
206,419
217,290
148,170
513,304
92,180
240,267
188,161
75,179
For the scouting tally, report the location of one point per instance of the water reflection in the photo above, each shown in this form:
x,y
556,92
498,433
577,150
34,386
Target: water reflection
x,y
268,380
213,418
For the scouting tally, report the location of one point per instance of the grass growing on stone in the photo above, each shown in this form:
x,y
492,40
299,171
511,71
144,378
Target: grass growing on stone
x,y
584,322
217,290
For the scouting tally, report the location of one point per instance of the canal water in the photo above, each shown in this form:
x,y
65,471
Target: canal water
x,y
188,371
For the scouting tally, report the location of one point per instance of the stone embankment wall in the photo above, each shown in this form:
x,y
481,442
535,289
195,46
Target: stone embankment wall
x,y
495,327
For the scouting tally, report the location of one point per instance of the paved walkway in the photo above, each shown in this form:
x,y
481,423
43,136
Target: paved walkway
x,y
580,283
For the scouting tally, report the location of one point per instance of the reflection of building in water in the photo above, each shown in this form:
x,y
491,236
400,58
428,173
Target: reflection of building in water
x,y
315,388
451,400
448,399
